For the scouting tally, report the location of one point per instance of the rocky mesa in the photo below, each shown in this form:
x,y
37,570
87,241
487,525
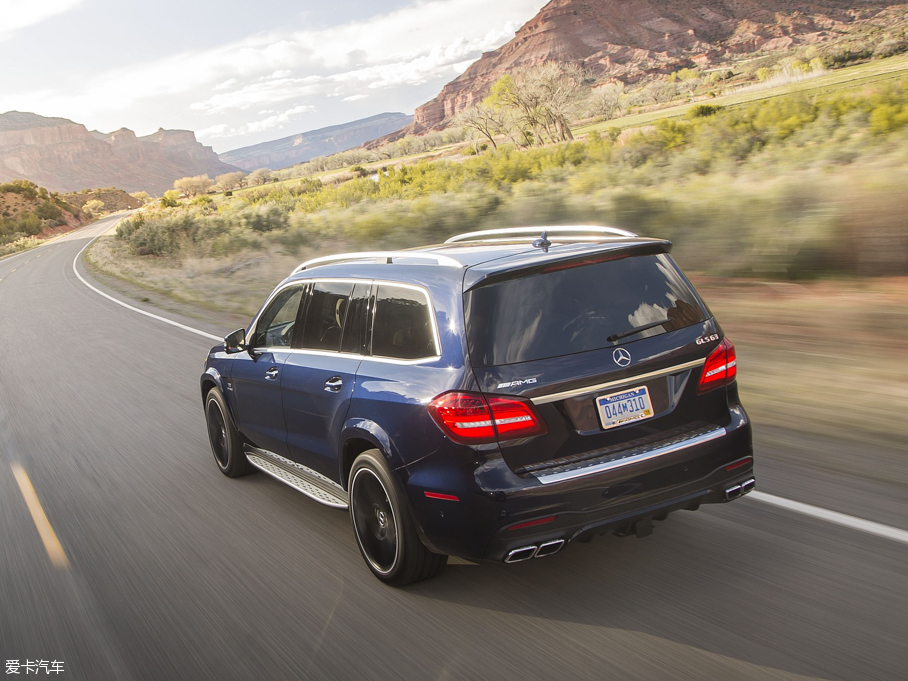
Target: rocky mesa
x,y
64,156
632,39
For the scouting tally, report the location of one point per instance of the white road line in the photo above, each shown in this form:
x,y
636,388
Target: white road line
x,y
135,309
833,517
796,506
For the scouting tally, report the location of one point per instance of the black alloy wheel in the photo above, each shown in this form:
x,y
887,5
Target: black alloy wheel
x,y
384,530
225,441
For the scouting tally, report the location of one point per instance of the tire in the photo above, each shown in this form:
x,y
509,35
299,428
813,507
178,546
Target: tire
x,y
225,441
384,528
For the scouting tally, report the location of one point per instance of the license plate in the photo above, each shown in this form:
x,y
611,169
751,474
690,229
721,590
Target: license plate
x,y
627,406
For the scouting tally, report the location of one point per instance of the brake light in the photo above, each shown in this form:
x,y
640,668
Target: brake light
x,y
471,418
720,368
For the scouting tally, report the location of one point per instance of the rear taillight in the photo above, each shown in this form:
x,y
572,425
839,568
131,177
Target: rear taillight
x,y
720,368
471,418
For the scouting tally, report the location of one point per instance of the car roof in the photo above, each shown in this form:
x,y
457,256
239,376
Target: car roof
x,y
474,260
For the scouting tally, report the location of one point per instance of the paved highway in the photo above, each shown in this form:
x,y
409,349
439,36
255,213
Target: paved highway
x,y
124,554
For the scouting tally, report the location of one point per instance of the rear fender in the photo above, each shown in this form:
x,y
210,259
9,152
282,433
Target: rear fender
x,y
370,431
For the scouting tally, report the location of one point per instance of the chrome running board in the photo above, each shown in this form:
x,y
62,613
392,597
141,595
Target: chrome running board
x,y
629,458
299,477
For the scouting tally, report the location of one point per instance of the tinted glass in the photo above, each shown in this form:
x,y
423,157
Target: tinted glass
x,y
577,309
326,316
355,329
402,326
275,326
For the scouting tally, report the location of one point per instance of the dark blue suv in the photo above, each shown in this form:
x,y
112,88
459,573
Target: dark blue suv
x,y
494,397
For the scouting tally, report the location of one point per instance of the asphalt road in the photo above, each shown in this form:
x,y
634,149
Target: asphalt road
x,y
165,569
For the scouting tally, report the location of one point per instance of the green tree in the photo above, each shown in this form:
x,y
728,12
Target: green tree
x,y
171,199
689,80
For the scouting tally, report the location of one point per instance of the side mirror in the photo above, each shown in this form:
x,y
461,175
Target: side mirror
x,y
235,342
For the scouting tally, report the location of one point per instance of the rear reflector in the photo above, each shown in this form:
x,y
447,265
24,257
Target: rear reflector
x,y
443,497
472,418
532,523
720,368
738,464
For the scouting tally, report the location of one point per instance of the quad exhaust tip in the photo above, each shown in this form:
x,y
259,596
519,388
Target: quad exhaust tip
x,y
549,548
526,552
740,490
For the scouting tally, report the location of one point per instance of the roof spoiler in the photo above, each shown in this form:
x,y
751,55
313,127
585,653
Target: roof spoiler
x,y
533,265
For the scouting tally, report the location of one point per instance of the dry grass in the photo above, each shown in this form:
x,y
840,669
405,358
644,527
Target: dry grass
x,y
828,357
237,284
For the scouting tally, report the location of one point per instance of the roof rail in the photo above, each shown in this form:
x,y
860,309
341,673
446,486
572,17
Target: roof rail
x,y
380,256
582,233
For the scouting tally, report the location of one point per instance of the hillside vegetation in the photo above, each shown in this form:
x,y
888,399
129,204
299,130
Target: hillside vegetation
x,y
793,187
27,211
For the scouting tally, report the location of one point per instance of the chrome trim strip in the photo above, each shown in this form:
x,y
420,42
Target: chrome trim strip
x,y
627,461
326,490
536,231
577,392
378,256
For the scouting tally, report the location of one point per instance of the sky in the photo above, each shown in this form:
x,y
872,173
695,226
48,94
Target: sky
x,y
240,72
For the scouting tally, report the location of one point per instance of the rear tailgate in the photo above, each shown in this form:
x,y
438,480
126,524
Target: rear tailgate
x,y
565,340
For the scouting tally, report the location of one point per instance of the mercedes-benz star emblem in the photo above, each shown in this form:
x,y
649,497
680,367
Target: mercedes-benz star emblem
x,y
622,357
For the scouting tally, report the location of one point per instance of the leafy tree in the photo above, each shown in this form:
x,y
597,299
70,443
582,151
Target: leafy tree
x,y
230,181
544,99
171,199
144,197
689,80
260,176
193,186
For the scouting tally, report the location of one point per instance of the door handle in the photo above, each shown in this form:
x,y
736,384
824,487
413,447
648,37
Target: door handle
x,y
271,374
334,384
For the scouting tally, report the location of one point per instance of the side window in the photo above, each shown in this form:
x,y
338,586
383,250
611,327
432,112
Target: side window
x,y
354,340
402,325
326,316
275,325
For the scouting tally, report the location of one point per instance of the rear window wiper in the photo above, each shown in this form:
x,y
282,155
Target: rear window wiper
x,y
636,329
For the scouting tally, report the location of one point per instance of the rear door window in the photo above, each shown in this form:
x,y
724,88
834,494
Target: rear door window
x,y
326,315
402,325
577,309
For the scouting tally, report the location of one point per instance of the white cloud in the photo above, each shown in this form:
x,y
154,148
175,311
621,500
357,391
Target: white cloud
x,y
277,120
229,83
18,14
221,89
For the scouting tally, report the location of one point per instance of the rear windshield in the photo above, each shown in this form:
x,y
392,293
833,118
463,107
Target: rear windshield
x,y
578,309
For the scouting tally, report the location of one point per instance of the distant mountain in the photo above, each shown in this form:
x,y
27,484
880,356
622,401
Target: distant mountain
x,y
630,40
64,156
307,145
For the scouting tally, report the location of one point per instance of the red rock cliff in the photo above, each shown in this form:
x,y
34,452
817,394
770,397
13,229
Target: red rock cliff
x,y
631,39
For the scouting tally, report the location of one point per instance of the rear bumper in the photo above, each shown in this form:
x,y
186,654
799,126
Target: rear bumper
x,y
498,511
